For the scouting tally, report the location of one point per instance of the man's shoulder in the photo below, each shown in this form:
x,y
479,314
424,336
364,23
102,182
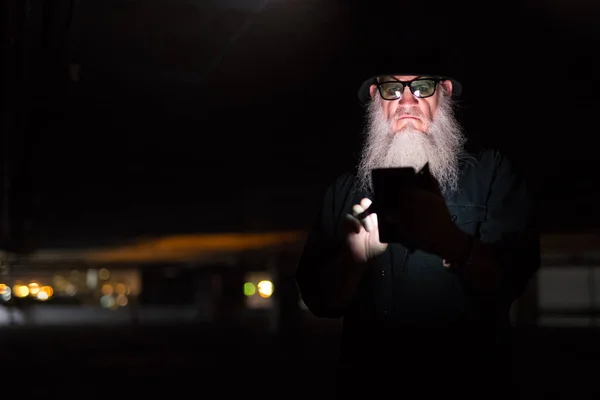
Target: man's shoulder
x,y
487,159
483,154
490,164
343,191
344,182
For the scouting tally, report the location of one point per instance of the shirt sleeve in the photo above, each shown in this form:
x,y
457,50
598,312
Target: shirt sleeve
x,y
322,246
511,227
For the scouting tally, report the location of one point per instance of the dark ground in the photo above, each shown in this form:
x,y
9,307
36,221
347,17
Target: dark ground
x,y
225,361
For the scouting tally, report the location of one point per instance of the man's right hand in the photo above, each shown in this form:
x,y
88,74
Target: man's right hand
x,y
362,235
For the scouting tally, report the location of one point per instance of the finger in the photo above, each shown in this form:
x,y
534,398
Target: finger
x,y
375,220
357,210
375,225
353,225
368,223
371,223
365,203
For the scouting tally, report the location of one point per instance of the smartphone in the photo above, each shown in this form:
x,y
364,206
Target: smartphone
x,y
388,186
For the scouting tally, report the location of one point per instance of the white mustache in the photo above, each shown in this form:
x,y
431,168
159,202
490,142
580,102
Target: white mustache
x,y
410,112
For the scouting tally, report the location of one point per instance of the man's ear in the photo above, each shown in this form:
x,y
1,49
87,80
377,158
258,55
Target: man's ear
x,y
373,90
447,84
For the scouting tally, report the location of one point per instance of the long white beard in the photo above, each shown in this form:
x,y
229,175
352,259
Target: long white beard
x,y
441,146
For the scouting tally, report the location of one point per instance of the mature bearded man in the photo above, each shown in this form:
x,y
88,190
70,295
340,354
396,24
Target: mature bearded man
x,y
434,307
442,147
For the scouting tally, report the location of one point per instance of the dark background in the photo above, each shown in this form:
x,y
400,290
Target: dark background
x,y
207,116
185,110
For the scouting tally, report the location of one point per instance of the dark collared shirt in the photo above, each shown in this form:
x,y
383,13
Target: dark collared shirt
x,y
406,298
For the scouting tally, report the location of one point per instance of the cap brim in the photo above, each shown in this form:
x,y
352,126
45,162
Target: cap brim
x,y
364,95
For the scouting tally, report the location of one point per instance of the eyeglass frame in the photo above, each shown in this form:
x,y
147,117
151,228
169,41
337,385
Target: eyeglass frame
x,y
404,84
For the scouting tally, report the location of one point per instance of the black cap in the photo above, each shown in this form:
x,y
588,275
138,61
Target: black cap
x,y
411,56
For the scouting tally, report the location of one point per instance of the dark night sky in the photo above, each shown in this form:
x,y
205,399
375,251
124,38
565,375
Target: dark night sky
x,y
155,140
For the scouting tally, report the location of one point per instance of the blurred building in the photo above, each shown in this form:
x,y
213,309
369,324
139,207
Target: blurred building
x,y
215,278
245,279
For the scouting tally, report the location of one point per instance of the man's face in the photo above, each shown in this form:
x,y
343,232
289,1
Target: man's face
x,y
410,132
409,110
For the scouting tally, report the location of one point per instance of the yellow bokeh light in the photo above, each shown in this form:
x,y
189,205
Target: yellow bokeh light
x,y
120,288
121,300
48,290
265,289
34,288
21,291
104,274
107,289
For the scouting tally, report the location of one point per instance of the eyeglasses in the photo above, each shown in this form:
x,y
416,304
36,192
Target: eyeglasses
x,y
420,87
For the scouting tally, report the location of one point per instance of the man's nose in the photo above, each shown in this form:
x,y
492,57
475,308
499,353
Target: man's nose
x,y
407,97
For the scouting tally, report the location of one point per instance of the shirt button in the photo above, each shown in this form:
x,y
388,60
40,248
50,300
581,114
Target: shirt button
x,y
382,272
454,218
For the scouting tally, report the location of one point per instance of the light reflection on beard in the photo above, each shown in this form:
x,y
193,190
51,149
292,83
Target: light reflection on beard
x,y
442,146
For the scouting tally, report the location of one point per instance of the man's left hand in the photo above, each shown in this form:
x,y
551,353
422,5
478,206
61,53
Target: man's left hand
x,y
422,221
